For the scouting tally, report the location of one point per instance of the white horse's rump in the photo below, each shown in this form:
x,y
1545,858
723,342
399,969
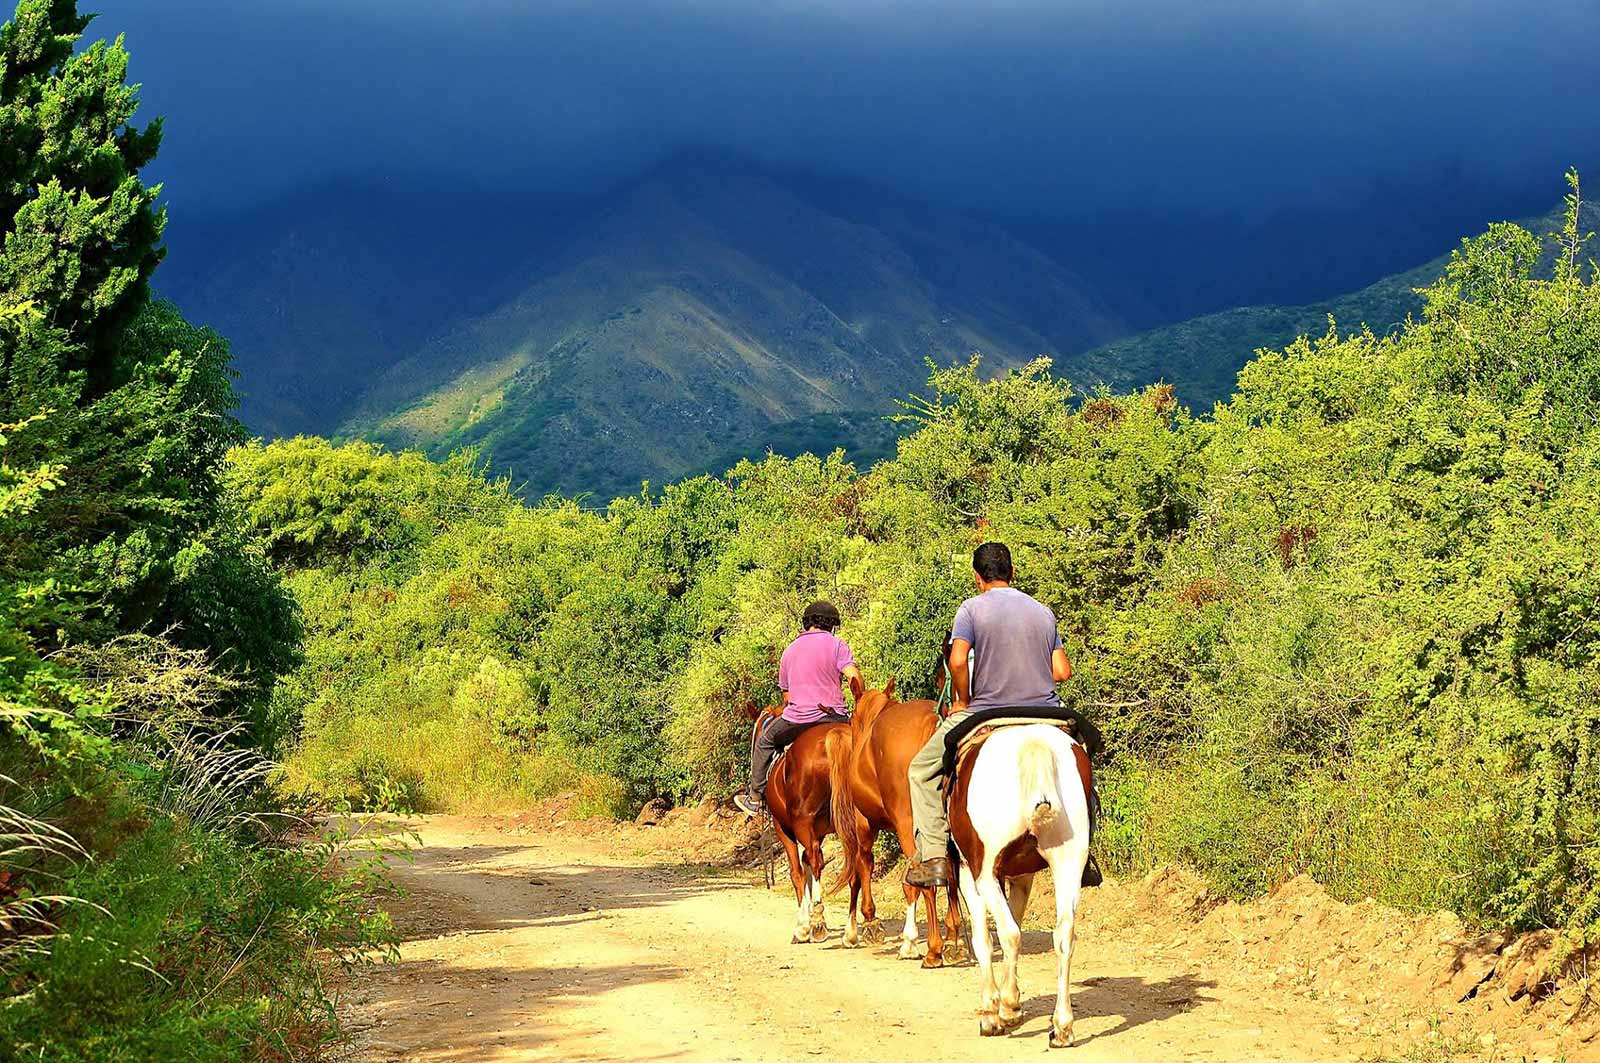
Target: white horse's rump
x,y
1024,780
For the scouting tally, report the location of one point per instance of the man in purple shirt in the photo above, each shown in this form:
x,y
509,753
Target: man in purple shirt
x,y
1005,652
809,674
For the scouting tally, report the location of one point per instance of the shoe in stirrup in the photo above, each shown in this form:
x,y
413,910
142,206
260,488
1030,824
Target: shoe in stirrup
x,y
929,874
750,805
1091,873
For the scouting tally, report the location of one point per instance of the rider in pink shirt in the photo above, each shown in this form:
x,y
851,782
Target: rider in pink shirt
x,y
809,674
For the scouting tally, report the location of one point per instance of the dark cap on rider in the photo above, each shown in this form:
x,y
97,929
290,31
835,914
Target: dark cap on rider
x,y
820,614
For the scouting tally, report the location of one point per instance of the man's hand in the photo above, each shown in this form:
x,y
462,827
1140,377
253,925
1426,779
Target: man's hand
x,y
858,685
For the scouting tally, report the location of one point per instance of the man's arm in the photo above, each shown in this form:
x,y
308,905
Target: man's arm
x,y
851,675
1060,665
960,675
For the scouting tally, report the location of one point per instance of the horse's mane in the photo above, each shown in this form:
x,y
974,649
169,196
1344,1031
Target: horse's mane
x,y
863,717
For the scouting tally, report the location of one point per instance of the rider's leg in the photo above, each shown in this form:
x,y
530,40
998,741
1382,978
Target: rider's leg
x,y
930,825
775,736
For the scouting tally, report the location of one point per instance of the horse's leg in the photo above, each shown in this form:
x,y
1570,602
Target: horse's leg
x,y
935,956
852,932
988,1019
797,875
867,838
1010,935
1066,869
1018,890
908,934
952,924
908,845
819,920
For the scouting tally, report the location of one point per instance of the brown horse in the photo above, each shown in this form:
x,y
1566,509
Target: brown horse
x,y
808,796
887,734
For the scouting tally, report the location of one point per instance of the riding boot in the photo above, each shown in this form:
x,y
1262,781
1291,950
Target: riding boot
x,y
1091,873
929,874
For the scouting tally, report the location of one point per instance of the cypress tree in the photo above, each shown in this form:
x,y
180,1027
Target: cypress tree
x,y
81,231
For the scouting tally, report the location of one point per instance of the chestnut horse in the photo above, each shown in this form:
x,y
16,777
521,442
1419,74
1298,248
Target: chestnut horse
x,y
808,796
887,734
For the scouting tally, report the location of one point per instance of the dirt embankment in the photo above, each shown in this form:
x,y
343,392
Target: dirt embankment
x,y
539,937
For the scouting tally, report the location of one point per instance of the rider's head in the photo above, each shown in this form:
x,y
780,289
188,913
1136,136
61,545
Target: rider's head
x,y
821,616
991,563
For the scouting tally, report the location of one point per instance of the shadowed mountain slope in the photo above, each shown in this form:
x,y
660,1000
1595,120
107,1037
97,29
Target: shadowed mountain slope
x,y
705,310
1203,355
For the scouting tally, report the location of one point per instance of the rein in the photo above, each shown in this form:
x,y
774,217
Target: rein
x,y
947,688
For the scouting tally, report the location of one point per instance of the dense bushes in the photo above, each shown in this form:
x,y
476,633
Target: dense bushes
x,y
156,900
1346,624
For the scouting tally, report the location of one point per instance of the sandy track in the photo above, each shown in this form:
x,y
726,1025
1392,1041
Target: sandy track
x,y
547,946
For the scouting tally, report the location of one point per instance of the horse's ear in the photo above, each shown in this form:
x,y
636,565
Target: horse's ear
x,y
751,708
888,689
857,688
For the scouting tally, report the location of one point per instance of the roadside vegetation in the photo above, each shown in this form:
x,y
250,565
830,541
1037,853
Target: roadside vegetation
x,y
158,899
1346,624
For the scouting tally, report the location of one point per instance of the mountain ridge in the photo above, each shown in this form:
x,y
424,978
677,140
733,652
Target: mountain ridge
x,y
1202,355
710,306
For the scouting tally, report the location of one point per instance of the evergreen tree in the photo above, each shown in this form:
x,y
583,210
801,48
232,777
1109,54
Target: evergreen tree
x,y
131,403
82,233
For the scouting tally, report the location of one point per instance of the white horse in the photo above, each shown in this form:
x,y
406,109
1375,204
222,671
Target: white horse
x,y
1019,805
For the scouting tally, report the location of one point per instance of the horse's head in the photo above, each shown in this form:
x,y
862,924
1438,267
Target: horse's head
x,y
754,710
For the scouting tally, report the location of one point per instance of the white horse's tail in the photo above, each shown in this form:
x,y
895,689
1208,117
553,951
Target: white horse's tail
x,y
1036,766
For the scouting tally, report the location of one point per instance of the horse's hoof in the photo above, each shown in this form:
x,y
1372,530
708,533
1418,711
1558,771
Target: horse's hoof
x,y
852,940
989,1026
819,934
932,961
908,951
1010,1022
800,938
872,933
1060,1038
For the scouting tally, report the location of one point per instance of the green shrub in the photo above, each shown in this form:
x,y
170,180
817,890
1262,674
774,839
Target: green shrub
x,y
191,945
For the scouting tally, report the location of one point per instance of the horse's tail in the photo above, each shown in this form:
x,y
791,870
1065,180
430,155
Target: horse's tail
x,y
837,747
1036,766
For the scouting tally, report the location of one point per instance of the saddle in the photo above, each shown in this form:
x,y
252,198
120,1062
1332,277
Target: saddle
x,y
766,720
968,736
970,733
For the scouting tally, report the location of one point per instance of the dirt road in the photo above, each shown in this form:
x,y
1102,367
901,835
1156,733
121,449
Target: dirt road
x,y
529,946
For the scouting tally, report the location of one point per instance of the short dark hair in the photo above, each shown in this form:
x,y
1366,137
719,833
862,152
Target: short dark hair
x,y
824,615
992,561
